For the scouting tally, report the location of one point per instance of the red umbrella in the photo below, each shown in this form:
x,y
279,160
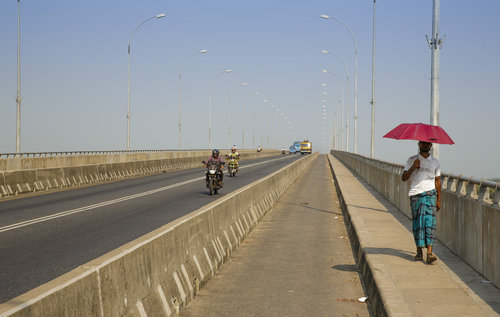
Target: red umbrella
x,y
420,132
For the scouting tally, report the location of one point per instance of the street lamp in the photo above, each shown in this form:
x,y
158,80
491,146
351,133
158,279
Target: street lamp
x,y
324,16
347,94
435,44
372,101
159,16
261,121
334,124
346,107
323,138
273,131
253,125
180,89
338,122
210,108
229,113
18,98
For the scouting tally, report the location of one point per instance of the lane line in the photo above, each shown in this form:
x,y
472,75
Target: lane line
x,y
110,202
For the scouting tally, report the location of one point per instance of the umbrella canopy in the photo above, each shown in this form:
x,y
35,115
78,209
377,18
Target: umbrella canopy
x,y
420,132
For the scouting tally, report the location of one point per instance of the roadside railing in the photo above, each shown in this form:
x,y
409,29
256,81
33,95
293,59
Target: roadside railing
x,y
484,190
469,219
83,153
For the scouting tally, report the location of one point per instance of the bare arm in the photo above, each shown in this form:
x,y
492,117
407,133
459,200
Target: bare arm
x,y
437,182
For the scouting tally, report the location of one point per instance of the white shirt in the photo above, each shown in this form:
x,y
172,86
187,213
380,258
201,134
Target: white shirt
x,y
422,179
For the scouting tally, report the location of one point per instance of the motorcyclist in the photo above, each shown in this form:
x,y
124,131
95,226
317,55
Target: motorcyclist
x,y
259,149
215,158
234,155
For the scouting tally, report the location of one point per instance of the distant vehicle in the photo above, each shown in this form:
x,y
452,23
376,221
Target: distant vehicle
x,y
295,148
305,147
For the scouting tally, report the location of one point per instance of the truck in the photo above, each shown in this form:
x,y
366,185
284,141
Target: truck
x,y
295,148
305,147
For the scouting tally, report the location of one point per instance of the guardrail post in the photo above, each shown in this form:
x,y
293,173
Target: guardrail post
x,y
496,197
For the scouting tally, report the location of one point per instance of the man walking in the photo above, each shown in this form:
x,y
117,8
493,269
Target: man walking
x,y
424,173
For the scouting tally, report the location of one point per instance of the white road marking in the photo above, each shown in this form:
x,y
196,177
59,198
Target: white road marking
x,y
110,202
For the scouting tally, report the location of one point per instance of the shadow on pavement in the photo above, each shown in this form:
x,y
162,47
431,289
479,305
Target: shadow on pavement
x,y
346,267
306,205
405,255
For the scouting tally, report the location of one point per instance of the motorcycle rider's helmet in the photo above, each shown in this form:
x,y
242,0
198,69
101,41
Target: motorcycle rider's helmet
x,y
233,149
215,152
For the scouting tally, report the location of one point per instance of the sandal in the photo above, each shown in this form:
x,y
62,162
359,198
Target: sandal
x,y
418,257
431,258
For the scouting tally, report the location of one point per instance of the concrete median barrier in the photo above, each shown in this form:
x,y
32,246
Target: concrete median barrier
x,y
159,273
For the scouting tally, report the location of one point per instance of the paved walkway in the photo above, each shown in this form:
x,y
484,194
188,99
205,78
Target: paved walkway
x,y
297,261
448,287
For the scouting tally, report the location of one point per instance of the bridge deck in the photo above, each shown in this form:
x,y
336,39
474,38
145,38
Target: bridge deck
x,y
296,262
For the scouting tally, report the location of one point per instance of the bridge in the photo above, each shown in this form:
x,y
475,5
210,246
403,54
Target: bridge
x,y
134,233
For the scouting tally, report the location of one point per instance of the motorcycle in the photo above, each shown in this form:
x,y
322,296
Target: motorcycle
x,y
232,166
213,179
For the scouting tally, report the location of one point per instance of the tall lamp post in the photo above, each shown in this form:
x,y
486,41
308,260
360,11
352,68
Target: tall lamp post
x,y
210,107
18,98
159,16
253,124
229,113
435,45
347,94
324,108
180,91
261,121
372,101
355,78
346,109
333,141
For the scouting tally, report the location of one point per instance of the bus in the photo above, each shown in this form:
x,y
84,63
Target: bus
x,y
305,147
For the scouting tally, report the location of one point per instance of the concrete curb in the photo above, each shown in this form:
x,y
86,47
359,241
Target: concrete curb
x,y
157,274
384,297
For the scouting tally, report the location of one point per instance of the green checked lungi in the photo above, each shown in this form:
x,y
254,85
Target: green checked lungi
x,y
423,208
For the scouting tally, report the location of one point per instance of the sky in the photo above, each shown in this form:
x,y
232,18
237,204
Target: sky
x,y
74,75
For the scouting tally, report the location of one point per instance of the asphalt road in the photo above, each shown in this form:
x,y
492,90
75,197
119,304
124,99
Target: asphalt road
x,y
45,236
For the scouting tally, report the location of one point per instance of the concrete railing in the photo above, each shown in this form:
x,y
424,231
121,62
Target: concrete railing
x,y
468,222
157,274
83,153
34,173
